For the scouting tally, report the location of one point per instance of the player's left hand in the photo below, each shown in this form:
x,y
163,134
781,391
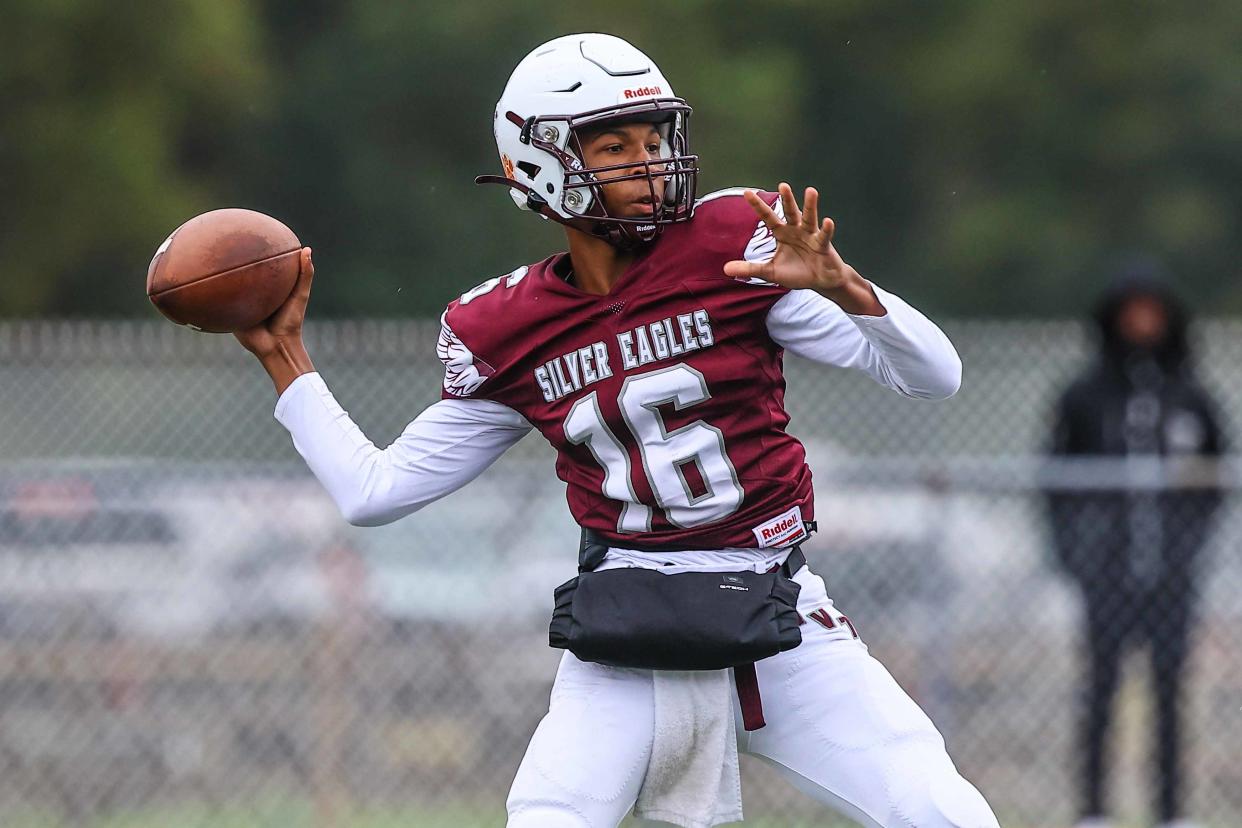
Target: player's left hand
x,y
805,256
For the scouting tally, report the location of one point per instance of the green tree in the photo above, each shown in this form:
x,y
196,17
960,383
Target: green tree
x,y
116,122
1058,136
983,158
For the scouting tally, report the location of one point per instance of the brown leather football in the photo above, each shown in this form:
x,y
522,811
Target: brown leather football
x,y
224,270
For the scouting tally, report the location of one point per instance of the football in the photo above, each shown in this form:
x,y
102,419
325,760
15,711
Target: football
x,y
224,270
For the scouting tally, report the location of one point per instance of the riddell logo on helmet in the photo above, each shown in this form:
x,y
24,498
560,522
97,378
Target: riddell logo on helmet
x,y
642,92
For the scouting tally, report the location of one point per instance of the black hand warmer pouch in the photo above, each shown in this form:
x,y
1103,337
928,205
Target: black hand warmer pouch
x,y
689,621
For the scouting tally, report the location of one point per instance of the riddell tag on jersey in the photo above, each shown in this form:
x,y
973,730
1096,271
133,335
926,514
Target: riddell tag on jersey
x,y
782,530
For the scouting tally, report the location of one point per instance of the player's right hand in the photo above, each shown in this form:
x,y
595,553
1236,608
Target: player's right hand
x,y
285,325
805,256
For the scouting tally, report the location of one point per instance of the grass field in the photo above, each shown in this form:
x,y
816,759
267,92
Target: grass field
x,y
292,814
298,815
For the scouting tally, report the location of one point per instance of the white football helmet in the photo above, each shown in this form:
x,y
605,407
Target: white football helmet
x,y
576,81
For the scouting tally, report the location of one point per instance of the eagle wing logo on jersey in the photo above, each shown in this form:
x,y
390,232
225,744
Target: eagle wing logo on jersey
x,y
762,245
463,371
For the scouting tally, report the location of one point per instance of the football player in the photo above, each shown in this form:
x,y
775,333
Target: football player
x,y
649,355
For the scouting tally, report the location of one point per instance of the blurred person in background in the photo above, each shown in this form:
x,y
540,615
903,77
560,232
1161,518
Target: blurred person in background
x,y
1134,551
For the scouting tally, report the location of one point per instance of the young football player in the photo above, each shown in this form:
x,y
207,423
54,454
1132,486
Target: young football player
x,y
649,355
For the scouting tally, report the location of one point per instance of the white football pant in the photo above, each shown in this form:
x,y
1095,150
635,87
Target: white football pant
x,y
838,728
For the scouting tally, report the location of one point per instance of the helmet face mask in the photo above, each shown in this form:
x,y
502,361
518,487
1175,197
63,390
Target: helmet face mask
x,y
537,133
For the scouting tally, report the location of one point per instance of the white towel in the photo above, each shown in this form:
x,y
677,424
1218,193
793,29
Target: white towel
x,y
692,778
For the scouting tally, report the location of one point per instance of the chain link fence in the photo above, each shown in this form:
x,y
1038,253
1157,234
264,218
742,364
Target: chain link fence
x,y
191,636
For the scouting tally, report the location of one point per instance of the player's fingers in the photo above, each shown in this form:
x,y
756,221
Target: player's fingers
x,y
810,210
306,274
829,227
792,214
739,269
761,208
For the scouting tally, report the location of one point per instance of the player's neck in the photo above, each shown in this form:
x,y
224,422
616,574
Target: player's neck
x,y
596,264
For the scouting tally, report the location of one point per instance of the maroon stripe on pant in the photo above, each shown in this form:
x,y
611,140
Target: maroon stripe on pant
x,y
748,696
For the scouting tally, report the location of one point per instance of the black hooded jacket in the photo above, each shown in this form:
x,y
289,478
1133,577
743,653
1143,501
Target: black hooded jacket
x,y
1133,403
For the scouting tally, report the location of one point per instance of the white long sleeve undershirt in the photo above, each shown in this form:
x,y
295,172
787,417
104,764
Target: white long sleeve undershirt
x,y
453,441
902,350
445,447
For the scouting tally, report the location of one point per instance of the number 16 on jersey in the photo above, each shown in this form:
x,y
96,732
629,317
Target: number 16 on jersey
x,y
665,454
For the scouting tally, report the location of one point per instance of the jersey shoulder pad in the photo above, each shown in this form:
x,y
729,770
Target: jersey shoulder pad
x,y
464,372
725,214
472,328
728,217
729,206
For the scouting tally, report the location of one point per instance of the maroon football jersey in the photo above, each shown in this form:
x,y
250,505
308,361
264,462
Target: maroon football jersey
x,y
664,399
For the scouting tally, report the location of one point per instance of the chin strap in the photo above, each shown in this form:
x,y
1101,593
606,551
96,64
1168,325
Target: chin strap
x,y
614,234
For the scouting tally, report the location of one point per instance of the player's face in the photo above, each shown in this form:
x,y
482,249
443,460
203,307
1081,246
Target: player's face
x,y
1143,321
625,144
